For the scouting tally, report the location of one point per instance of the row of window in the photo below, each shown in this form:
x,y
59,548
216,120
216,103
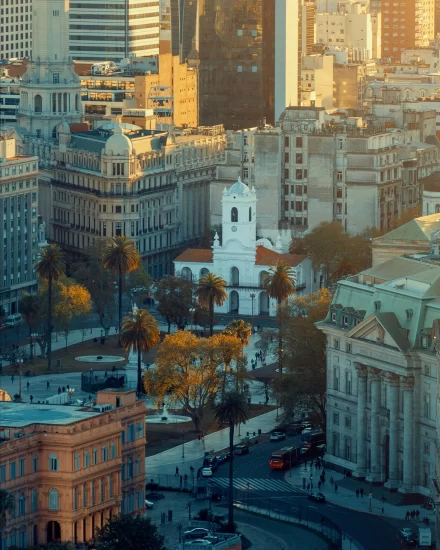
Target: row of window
x,y
90,495
95,456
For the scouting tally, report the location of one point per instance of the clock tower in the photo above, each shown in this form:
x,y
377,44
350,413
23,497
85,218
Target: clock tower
x,y
239,215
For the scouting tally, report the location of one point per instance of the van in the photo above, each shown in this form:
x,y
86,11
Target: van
x,y
210,462
14,320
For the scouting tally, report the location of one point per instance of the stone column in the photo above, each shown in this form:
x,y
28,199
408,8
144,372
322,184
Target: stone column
x,y
361,435
408,434
88,531
374,375
393,406
79,531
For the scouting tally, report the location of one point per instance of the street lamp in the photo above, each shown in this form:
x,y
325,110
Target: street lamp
x,y
70,392
183,445
20,366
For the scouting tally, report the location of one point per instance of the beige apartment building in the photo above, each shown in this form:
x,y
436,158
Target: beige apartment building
x,y
19,230
71,468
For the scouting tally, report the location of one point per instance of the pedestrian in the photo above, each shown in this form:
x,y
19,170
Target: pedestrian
x,y
31,397
357,493
417,514
48,385
336,488
304,483
177,471
331,480
12,378
64,389
407,515
59,390
27,386
362,492
185,477
261,354
412,514
256,356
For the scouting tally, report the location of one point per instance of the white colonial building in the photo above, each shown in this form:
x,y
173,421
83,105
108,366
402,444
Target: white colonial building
x,y
241,259
382,373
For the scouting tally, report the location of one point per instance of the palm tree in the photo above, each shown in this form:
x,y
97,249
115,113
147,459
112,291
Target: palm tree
x,y
211,291
280,284
7,507
29,306
120,256
140,331
233,409
50,267
243,331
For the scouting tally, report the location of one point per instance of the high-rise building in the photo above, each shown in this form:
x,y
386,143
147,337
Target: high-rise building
x,y
15,29
122,29
19,231
50,89
249,60
180,17
407,25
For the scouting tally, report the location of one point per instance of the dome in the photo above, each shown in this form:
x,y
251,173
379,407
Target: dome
x,y
118,144
239,188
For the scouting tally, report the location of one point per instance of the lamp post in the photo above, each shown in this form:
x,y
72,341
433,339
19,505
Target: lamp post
x,y
20,366
183,445
252,298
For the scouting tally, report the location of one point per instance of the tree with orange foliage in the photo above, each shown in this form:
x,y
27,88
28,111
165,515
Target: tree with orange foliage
x,y
187,370
224,349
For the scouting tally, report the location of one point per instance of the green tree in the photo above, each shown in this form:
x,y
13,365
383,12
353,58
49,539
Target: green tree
x,y
243,331
7,508
139,278
175,299
211,291
100,282
280,284
120,256
233,409
50,267
140,331
29,307
304,385
134,532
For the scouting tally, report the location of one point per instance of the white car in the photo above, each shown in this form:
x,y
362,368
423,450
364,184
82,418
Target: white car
x,y
277,436
149,504
206,472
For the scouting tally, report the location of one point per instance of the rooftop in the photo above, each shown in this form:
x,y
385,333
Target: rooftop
x,y
419,229
19,415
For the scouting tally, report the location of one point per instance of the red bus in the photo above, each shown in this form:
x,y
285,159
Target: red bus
x,y
284,458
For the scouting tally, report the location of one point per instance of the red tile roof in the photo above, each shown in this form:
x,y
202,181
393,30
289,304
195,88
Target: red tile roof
x,y
198,255
270,257
79,127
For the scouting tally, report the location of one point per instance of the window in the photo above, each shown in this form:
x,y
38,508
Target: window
x,y
21,505
102,491
53,463
93,493
299,142
298,174
286,141
86,459
2,473
140,426
112,450
239,69
427,370
286,173
234,215
348,421
333,317
345,320
286,158
34,500
348,347
104,454
339,175
347,448
426,447
84,496
110,486
423,342
122,472
21,467
130,468
123,437
56,78
348,382
336,343
335,444
336,378
299,158
427,405
95,457
75,498
12,470
77,464
54,499
336,418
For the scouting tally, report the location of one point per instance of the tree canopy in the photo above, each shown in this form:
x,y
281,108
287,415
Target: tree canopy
x,y
129,532
335,252
175,300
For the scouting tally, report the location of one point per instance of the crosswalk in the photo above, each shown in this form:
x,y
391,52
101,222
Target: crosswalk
x,y
250,484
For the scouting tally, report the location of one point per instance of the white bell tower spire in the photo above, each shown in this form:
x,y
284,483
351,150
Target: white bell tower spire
x,y
239,214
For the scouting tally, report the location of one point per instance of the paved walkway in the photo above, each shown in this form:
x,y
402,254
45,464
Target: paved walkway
x,y
346,496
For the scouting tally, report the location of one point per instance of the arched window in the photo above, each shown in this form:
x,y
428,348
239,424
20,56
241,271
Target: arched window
x,y
21,505
77,465
86,459
77,102
38,104
53,463
235,276
54,499
437,208
138,466
187,274
130,468
250,213
234,215
54,133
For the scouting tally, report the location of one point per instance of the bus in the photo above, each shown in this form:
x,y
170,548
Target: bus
x,y
284,458
312,439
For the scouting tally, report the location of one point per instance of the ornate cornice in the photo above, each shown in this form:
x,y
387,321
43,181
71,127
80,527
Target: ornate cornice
x,y
407,383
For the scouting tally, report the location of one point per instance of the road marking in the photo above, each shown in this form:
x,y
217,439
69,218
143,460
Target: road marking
x,y
253,484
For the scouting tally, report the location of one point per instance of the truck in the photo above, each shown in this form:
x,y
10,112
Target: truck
x,y
425,537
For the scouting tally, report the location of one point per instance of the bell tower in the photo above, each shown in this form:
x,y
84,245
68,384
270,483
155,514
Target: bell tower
x,y
239,215
50,90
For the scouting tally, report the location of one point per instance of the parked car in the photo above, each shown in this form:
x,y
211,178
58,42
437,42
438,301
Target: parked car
x,y
406,532
316,497
200,542
277,436
207,471
241,450
211,461
154,496
197,533
223,457
149,504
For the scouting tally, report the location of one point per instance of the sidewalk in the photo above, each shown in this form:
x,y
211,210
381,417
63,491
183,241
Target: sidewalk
x,y
346,496
166,462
